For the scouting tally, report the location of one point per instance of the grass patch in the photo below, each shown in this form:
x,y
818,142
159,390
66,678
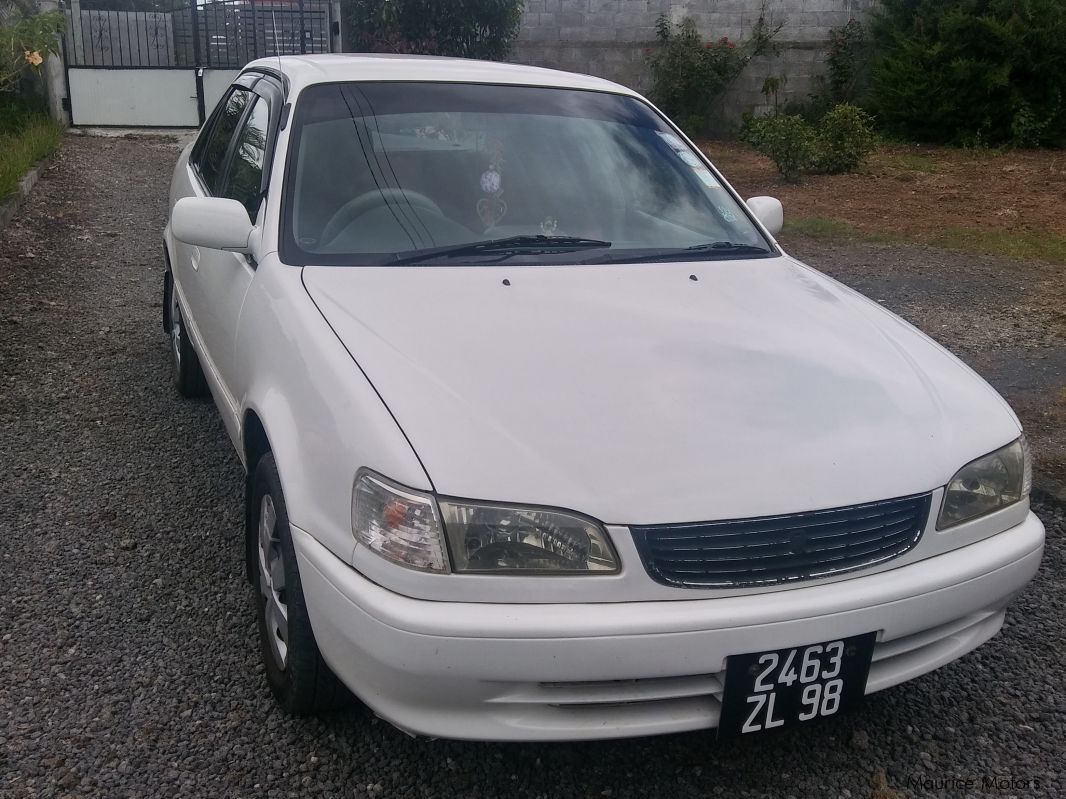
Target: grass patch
x,y
1018,244
1023,244
816,227
36,137
909,162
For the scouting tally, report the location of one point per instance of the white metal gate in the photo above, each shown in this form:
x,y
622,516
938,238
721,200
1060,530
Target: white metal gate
x,y
169,69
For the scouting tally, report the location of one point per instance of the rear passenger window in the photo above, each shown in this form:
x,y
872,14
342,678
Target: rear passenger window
x,y
246,168
213,156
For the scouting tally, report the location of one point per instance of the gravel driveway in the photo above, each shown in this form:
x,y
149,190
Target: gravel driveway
x,y
127,645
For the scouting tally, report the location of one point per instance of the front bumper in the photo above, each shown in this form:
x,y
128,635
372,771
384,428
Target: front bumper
x,y
585,671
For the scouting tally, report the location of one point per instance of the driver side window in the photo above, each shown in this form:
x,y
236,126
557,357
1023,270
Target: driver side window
x,y
244,180
212,158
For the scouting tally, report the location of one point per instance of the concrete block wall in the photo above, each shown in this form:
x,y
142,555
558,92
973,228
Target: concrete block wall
x,y
608,38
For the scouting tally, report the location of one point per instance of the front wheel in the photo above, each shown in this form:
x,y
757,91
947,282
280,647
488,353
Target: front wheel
x,y
189,377
299,678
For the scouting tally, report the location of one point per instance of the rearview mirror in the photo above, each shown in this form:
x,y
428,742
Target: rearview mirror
x,y
213,222
768,210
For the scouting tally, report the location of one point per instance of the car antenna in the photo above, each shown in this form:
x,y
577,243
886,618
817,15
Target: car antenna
x,y
277,50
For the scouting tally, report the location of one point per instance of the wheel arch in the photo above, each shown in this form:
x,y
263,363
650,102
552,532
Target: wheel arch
x,y
255,443
268,427
301,395
167,288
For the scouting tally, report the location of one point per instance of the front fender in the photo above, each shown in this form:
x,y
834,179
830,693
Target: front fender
x,y
322,417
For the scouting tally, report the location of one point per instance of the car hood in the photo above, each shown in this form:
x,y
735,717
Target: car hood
x,y
659,393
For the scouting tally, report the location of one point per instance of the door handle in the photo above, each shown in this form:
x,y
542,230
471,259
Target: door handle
x,y
194,258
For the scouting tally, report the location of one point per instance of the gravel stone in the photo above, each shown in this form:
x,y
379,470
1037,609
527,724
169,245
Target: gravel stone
x,y
134,671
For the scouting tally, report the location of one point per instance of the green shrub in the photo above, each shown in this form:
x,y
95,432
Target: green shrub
x,y
464,28
689,74
847,75
959,71
847,61
25,40
845,137
786,139
37,137
838,143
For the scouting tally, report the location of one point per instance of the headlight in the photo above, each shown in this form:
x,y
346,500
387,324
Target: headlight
x,y
405,526
399,524
501,539
987,484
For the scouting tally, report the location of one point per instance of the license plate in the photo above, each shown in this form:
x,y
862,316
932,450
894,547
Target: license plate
x,y
771,690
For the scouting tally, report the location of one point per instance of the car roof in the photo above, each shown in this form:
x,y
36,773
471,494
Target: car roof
x,y
305,70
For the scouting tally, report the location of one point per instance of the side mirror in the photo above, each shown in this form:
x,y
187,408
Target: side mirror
x,y
216,223
768,210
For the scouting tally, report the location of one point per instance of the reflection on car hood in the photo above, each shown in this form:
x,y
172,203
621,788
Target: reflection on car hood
x,y
661,392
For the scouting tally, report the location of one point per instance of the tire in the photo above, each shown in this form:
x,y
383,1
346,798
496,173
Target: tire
x,y
188,375
298,677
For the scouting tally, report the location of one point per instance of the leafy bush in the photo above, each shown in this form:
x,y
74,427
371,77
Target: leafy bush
x,y
960,71
838,143
689,74
845,137
847,75
464,28
847,61
786,139
25,40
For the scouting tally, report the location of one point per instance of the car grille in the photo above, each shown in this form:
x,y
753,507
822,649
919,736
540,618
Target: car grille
x,y
779,549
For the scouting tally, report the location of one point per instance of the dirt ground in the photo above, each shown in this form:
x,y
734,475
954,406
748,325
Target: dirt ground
x,y
918,191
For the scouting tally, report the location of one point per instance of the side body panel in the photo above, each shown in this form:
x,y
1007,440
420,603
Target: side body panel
x,y
323,418
266,350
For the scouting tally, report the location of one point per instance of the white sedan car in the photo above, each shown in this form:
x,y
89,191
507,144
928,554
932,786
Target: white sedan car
x,y
546,437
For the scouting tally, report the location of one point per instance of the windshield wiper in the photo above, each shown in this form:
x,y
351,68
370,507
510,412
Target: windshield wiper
x,y
726,245
685,253
512,245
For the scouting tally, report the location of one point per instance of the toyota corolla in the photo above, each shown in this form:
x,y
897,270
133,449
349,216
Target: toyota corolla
x,y
546,437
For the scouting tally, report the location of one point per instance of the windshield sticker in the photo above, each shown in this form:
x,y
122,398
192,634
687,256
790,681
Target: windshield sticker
x,y
704,174
727,213
690,159
671,139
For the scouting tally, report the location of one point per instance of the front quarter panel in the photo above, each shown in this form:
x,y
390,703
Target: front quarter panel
x,y
179,187
179,182
322,417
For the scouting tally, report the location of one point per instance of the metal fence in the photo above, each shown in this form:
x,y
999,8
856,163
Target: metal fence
x,y
120,39
219,34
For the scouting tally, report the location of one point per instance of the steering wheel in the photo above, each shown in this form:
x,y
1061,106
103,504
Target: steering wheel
x,y
357,206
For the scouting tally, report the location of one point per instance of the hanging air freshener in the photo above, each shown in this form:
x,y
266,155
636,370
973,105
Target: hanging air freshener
x,y
491,208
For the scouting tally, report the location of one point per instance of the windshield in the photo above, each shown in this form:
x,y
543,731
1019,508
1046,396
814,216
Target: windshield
x,y
448,173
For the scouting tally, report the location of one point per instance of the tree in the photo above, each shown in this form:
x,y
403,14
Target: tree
x,y
961,71
690,74
25,39
464,28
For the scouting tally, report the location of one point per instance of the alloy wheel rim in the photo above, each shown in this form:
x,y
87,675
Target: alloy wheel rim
x,y
175,325
272,582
